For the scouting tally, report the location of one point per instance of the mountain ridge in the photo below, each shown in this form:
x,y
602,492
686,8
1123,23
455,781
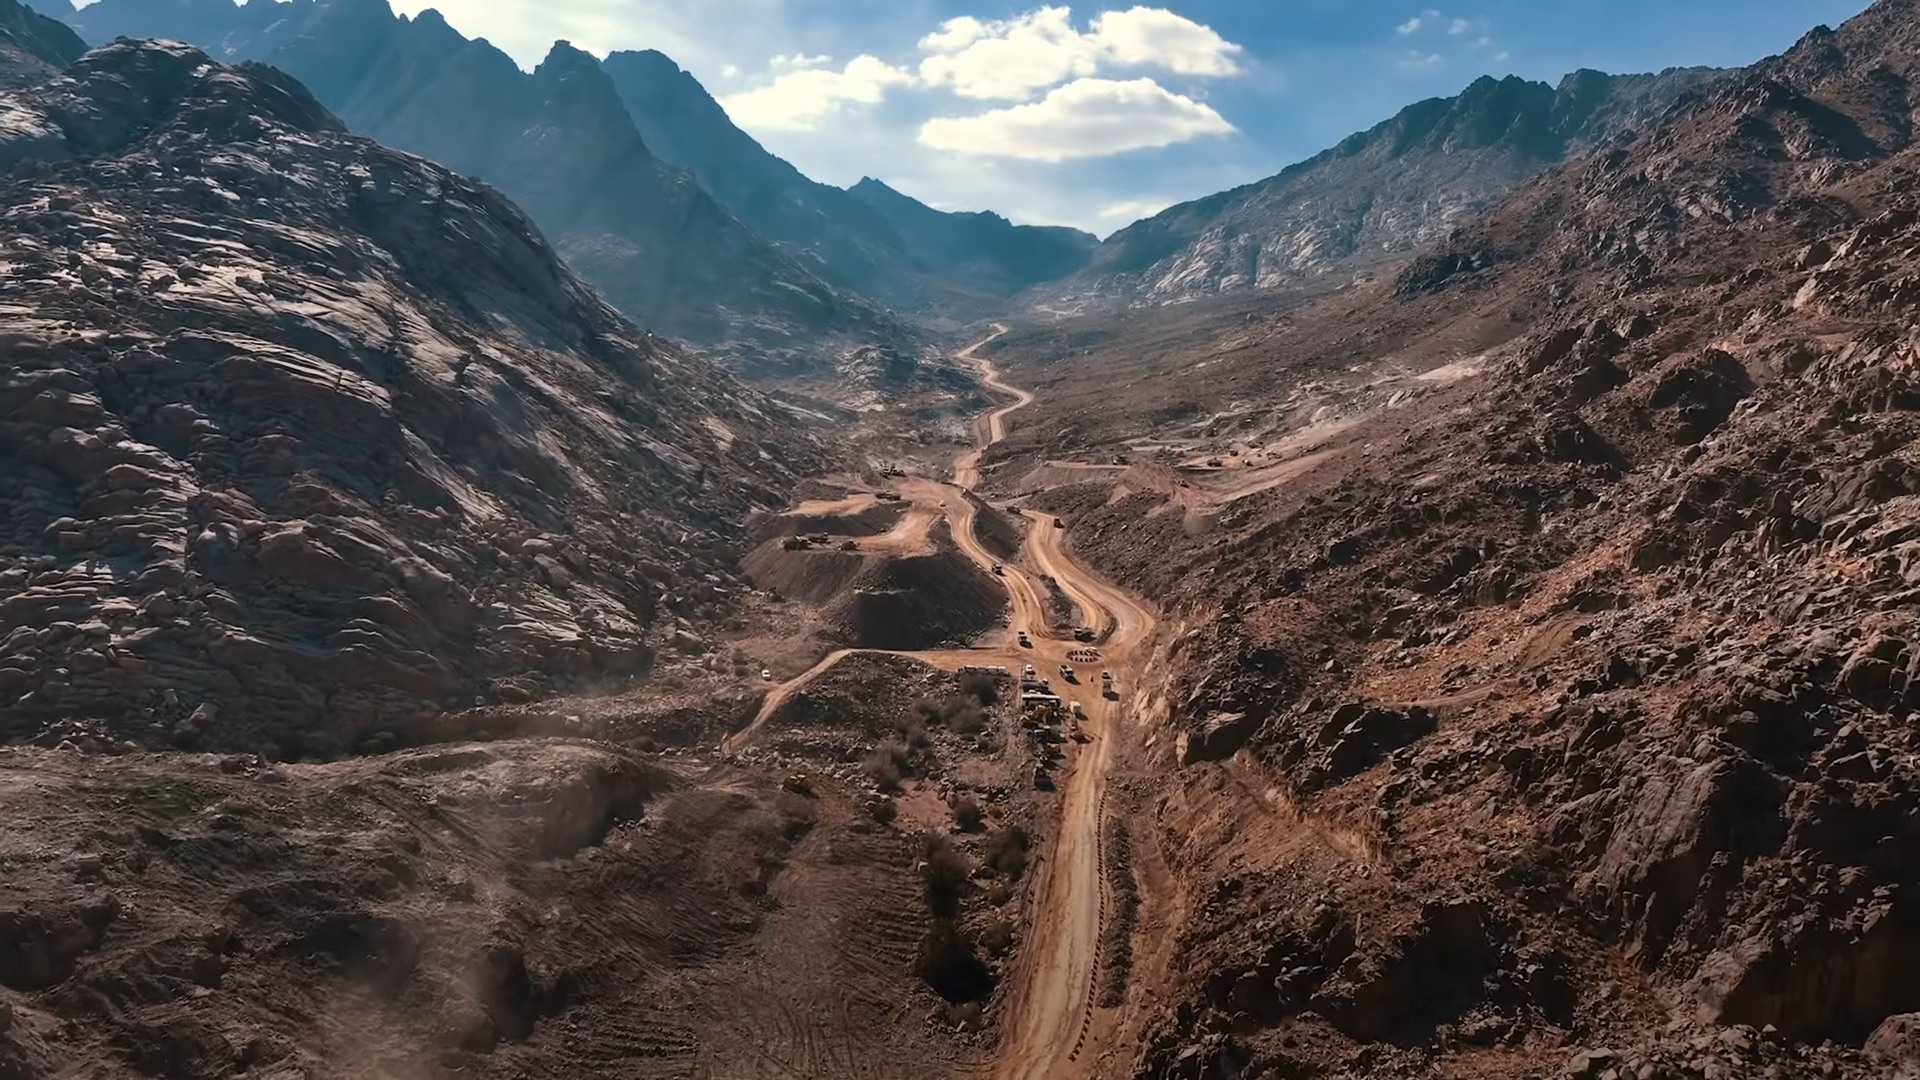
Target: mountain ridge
x,y
828,239
33,46
645,232
1374,198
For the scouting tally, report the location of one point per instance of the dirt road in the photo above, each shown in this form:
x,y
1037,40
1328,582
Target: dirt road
x,y
1050,1012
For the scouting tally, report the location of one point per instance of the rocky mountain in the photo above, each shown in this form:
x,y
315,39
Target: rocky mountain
x,y
33,47
983,249
302,437
370,67
1377,197
1576,682
560,142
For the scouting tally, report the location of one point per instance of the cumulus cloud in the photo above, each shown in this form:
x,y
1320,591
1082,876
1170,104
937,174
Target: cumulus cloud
x,y
1085,118
1008,59
1012,59
807,91
1156,37
954,35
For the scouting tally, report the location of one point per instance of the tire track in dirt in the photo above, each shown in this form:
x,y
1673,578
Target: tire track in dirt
x,y
1052,1001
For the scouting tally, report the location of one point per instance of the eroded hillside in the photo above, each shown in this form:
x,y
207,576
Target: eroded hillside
x,y
1571,646
305,437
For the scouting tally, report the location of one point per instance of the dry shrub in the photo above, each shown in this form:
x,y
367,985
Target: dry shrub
x,y
968,813
1007,852
887,765
980,686
943,874
997,936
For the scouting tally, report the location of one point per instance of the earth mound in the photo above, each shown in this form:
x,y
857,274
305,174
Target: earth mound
x,y
919,602
854,516
876,601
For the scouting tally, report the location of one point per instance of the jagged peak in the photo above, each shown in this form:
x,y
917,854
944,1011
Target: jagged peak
x,y
648,58
171,76
565,56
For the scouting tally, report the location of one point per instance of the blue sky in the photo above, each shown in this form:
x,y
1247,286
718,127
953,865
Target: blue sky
x,y
1097,114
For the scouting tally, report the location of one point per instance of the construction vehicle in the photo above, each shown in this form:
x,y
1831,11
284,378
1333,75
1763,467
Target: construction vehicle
x,y
1083,633
1066,672
1025,641
1000,570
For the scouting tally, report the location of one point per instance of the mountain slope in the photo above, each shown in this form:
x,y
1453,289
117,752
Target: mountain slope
x,y
308,437
686,126
33,47
1378,196
1583,636
981,248
892,247
558,141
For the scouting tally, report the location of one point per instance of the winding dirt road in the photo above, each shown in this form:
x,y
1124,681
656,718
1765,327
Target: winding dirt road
x,y
1050,1007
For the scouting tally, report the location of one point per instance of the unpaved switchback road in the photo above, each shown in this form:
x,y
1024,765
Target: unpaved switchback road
x,y
1050,1022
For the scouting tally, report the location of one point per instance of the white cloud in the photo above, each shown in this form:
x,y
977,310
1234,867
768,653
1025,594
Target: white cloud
x,y
808,92
1475,32
954,35
1085,118
1156,37
1012,59
798,62
1419,22
1009,59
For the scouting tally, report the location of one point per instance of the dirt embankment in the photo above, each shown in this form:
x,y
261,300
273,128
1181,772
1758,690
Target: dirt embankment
x,y
887,602
872,519
999,532
809,575
920,603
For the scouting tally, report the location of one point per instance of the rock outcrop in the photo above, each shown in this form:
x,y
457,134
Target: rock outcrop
x,y
1377,198
301,437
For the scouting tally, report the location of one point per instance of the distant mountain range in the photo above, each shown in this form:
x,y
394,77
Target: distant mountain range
x,y
1379,196
685,221
691,226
